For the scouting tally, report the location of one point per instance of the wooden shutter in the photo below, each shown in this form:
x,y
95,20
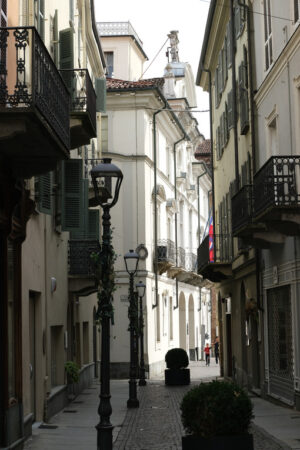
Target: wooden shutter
x,y
44,187
220,76
228,43
226,129
243,99
100,88
218,143
230,110
72,196
66,56
93,224
217,88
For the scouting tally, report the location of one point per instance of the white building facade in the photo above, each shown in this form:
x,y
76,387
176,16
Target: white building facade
x,y
152,136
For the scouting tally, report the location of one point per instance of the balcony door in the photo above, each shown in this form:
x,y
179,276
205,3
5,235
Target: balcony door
x,y
281,362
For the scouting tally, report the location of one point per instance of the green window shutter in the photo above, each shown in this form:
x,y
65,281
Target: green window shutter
x,y
72,196
43,187
230,110
226,130
216,88
243,99
222,133
218,143
66,56
93,224
220,75
228,42
100,88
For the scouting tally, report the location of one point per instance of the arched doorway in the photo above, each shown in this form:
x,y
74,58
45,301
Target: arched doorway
x,y
182,322
192,346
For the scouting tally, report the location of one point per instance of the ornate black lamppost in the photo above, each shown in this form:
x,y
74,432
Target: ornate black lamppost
x,y
131,262
107,179
141,288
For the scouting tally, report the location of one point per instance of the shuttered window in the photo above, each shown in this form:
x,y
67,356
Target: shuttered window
x,y
44,192
100,88
72,196
228,44
243,95
93,224
66,56
230,110
216,88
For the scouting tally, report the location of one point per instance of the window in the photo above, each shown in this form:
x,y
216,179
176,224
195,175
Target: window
x,y
243,94
54,37
268,34
296,10
109,59
272,137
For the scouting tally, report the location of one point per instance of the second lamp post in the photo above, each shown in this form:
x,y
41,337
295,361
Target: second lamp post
x,y
131,262
141,288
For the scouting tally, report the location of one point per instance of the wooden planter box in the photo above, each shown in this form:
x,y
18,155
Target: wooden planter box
x,y
177,377
235,442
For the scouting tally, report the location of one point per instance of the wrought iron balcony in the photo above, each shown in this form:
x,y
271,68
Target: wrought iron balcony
x,y
242,210
217,267
83,106
34,104
166,255
276,194
191,262
80,261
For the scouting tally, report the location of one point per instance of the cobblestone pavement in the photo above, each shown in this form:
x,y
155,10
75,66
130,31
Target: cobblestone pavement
x,y
156,424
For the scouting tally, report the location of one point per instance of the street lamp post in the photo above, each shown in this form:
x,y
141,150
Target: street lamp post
x,y
141,288
107,179
131,262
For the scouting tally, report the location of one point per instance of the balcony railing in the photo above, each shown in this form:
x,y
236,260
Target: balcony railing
x,y
80,261
276,185
166,251
242,207
210,262
83,98
30,81
191,262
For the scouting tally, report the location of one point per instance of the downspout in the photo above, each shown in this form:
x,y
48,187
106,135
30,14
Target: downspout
x,y
176,222
198,193
155,203
211,158
234,111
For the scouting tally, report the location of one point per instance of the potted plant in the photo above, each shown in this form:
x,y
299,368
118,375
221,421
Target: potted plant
x,y
217,416
177,373
72,371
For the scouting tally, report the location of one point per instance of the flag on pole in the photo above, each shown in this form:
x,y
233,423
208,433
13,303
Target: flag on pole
x,y
211,240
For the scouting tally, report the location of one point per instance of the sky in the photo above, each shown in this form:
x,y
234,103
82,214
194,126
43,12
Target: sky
x,y
152,22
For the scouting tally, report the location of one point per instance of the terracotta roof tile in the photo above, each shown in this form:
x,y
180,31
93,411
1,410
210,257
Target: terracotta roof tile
x,y
204,148
114,83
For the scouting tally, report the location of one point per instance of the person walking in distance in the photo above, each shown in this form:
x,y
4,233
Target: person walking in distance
x,y
207,354
216,344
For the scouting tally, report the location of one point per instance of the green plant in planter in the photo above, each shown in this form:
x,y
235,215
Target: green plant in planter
x,y
72,371
216,409
176,358
177,373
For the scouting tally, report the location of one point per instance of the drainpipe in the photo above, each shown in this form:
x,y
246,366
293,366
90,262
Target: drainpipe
x,y
155,203
198,193
176,223
234,99
211,158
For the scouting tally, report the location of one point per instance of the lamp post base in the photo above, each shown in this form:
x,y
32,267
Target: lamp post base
x,y
104,437
133,403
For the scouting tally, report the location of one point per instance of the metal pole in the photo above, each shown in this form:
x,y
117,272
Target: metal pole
x,y
133,401
104,428
142,381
